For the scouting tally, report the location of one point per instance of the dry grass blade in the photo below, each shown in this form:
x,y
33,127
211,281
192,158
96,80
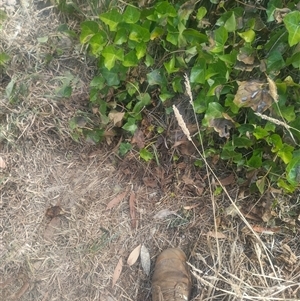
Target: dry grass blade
x,y
132,210
273,89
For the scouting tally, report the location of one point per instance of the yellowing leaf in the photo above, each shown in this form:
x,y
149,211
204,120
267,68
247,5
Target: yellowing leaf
x,y
117,271
134,255
116,117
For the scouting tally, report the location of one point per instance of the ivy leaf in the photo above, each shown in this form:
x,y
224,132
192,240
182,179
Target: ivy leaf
x,y
260,184
156,78
213,111
130,59
221,36
97,42
124,148
112,19
146,155
170,66
248,35
111,54
230,24
139,34
131,15
293,171
144,100
198,73
275,62
292,24
130,125
88,29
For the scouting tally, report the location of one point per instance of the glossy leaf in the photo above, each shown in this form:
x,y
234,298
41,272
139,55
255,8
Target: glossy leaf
x,y
292,24
112,19
131,15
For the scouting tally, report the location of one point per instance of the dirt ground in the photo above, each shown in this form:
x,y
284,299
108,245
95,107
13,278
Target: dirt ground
x,y
64,226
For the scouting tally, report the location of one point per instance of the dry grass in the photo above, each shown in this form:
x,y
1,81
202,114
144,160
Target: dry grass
x,y
72,256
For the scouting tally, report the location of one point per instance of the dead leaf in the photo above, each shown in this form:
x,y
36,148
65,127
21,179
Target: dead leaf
x,y
51,228
280,13
187,180
273,89
191,207
163,214
216,234
132,210
150,182
145,260
2,163
138,139
253,94
115,201
116,117
54,211
221,126
228,180
134,255
265,230
117,271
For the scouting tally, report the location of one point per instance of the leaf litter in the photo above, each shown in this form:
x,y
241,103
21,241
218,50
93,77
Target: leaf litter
x,y
117,271
145,260
116,200
134,255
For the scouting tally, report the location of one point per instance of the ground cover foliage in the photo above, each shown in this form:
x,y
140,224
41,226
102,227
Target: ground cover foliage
x,y
242,61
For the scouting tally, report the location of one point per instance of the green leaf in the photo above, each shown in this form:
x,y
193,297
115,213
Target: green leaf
x,y
4,58
130,59
294,60
156,77
221,36
293,171
201,13
260,184
292,24
95,135
124,148
130,125
140,49
111,77
121,36
170,66
146,155
256,160
131,15
194,37
248,35
88,29
272,5
65,91
144,100
112,19
260,133
97,42
230,24
156,33
164,8
287,187
286,153
139,33
111,54
275,62
198,72
214,110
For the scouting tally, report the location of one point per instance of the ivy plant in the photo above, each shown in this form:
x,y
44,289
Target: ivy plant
x,y
242,61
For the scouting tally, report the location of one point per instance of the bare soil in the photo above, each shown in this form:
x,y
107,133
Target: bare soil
x,y
58,240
